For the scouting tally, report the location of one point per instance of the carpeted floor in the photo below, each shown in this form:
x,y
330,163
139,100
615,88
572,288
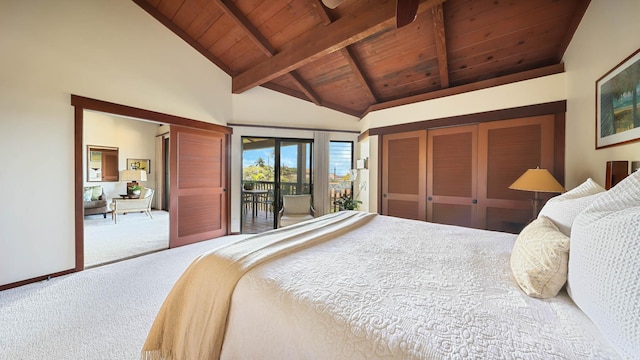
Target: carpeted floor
x,y
100,313
134,234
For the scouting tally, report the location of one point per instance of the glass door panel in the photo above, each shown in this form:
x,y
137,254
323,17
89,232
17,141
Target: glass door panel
x,y
271,168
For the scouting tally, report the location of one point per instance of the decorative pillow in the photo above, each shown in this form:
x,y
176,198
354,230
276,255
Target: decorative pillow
x,y
604,266
539,259
97,192
86,195
563,209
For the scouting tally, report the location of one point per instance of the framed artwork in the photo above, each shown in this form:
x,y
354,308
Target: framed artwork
x,y
139,164
618,104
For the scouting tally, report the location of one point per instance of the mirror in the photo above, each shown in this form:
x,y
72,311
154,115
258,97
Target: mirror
x,y
102,163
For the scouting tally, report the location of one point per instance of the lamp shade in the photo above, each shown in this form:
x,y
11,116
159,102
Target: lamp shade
x,y
133,175
539,180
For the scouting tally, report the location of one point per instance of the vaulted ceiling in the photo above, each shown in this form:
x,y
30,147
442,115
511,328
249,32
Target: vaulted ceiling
x,y
353,58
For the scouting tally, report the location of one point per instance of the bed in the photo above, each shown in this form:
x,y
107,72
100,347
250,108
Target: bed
x,y
353,285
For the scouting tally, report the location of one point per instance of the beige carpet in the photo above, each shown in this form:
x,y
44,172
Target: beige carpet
x,y
102,313
134,234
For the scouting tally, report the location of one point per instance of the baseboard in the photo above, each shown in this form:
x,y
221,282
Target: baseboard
x,y
36,279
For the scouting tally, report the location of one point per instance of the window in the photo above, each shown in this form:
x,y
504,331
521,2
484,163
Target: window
x,y
340,164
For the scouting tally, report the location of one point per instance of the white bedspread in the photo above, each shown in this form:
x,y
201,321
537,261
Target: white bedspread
x,y
402,289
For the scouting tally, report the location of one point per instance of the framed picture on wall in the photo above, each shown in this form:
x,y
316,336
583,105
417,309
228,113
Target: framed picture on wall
x,y
618,104
139,164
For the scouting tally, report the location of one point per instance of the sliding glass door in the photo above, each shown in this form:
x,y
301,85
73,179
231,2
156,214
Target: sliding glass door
x,y
271,168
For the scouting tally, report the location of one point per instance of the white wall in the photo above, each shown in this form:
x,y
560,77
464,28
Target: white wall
x,y
134,139
607,34
263,106
109,50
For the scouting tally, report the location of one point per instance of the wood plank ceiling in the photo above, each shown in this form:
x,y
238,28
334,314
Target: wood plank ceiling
x,y
353,59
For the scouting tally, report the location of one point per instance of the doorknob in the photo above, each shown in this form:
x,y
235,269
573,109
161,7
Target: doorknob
x,y
429,198
384,195
474,201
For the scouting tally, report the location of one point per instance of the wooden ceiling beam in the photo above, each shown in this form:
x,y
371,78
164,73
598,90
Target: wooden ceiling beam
x,y
349,56
441,44
367,19
322,11
359,74
231,10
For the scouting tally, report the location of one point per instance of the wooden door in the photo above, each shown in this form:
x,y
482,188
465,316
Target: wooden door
x,y
506,150
198,194
452,171
404,168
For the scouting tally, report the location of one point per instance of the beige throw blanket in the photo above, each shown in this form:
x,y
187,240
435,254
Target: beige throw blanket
x,y
191,323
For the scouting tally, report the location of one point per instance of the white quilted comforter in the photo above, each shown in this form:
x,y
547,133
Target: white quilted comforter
x,y
403,289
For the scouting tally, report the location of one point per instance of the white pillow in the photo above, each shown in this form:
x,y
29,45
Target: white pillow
x,y
539,259
563,209
604,264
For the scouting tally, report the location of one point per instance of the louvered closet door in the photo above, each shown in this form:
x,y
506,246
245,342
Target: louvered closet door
x,y
506,150
404,175
198,196
452,169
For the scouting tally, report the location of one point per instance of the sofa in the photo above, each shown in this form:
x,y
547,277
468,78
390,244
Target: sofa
x,y
95,201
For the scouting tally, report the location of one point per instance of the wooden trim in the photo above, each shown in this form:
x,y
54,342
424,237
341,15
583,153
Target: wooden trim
x,y
146,6
78,120
36,279
479,85
559,132
293,128
124,110
229,184
364,135
503,114
380,155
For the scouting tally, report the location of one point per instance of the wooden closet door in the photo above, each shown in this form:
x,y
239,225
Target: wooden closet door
x,y
198,194
452,171
506,150
404,175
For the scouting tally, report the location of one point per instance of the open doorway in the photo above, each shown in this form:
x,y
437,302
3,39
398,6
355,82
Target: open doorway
x,y
137,148
272,168
181,219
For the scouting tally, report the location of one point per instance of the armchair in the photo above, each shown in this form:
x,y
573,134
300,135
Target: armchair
x,y
142,204
295,208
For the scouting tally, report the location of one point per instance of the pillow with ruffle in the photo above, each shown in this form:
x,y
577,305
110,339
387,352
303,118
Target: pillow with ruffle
x,y
563,209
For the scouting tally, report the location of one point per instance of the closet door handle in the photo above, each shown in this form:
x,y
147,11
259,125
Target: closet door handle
x,y
474,201
429,198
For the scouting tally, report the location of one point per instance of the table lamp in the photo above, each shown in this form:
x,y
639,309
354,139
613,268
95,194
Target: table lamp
x,y
134,176
537,180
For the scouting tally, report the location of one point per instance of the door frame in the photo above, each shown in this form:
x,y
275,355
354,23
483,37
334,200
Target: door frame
x,y
81,104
